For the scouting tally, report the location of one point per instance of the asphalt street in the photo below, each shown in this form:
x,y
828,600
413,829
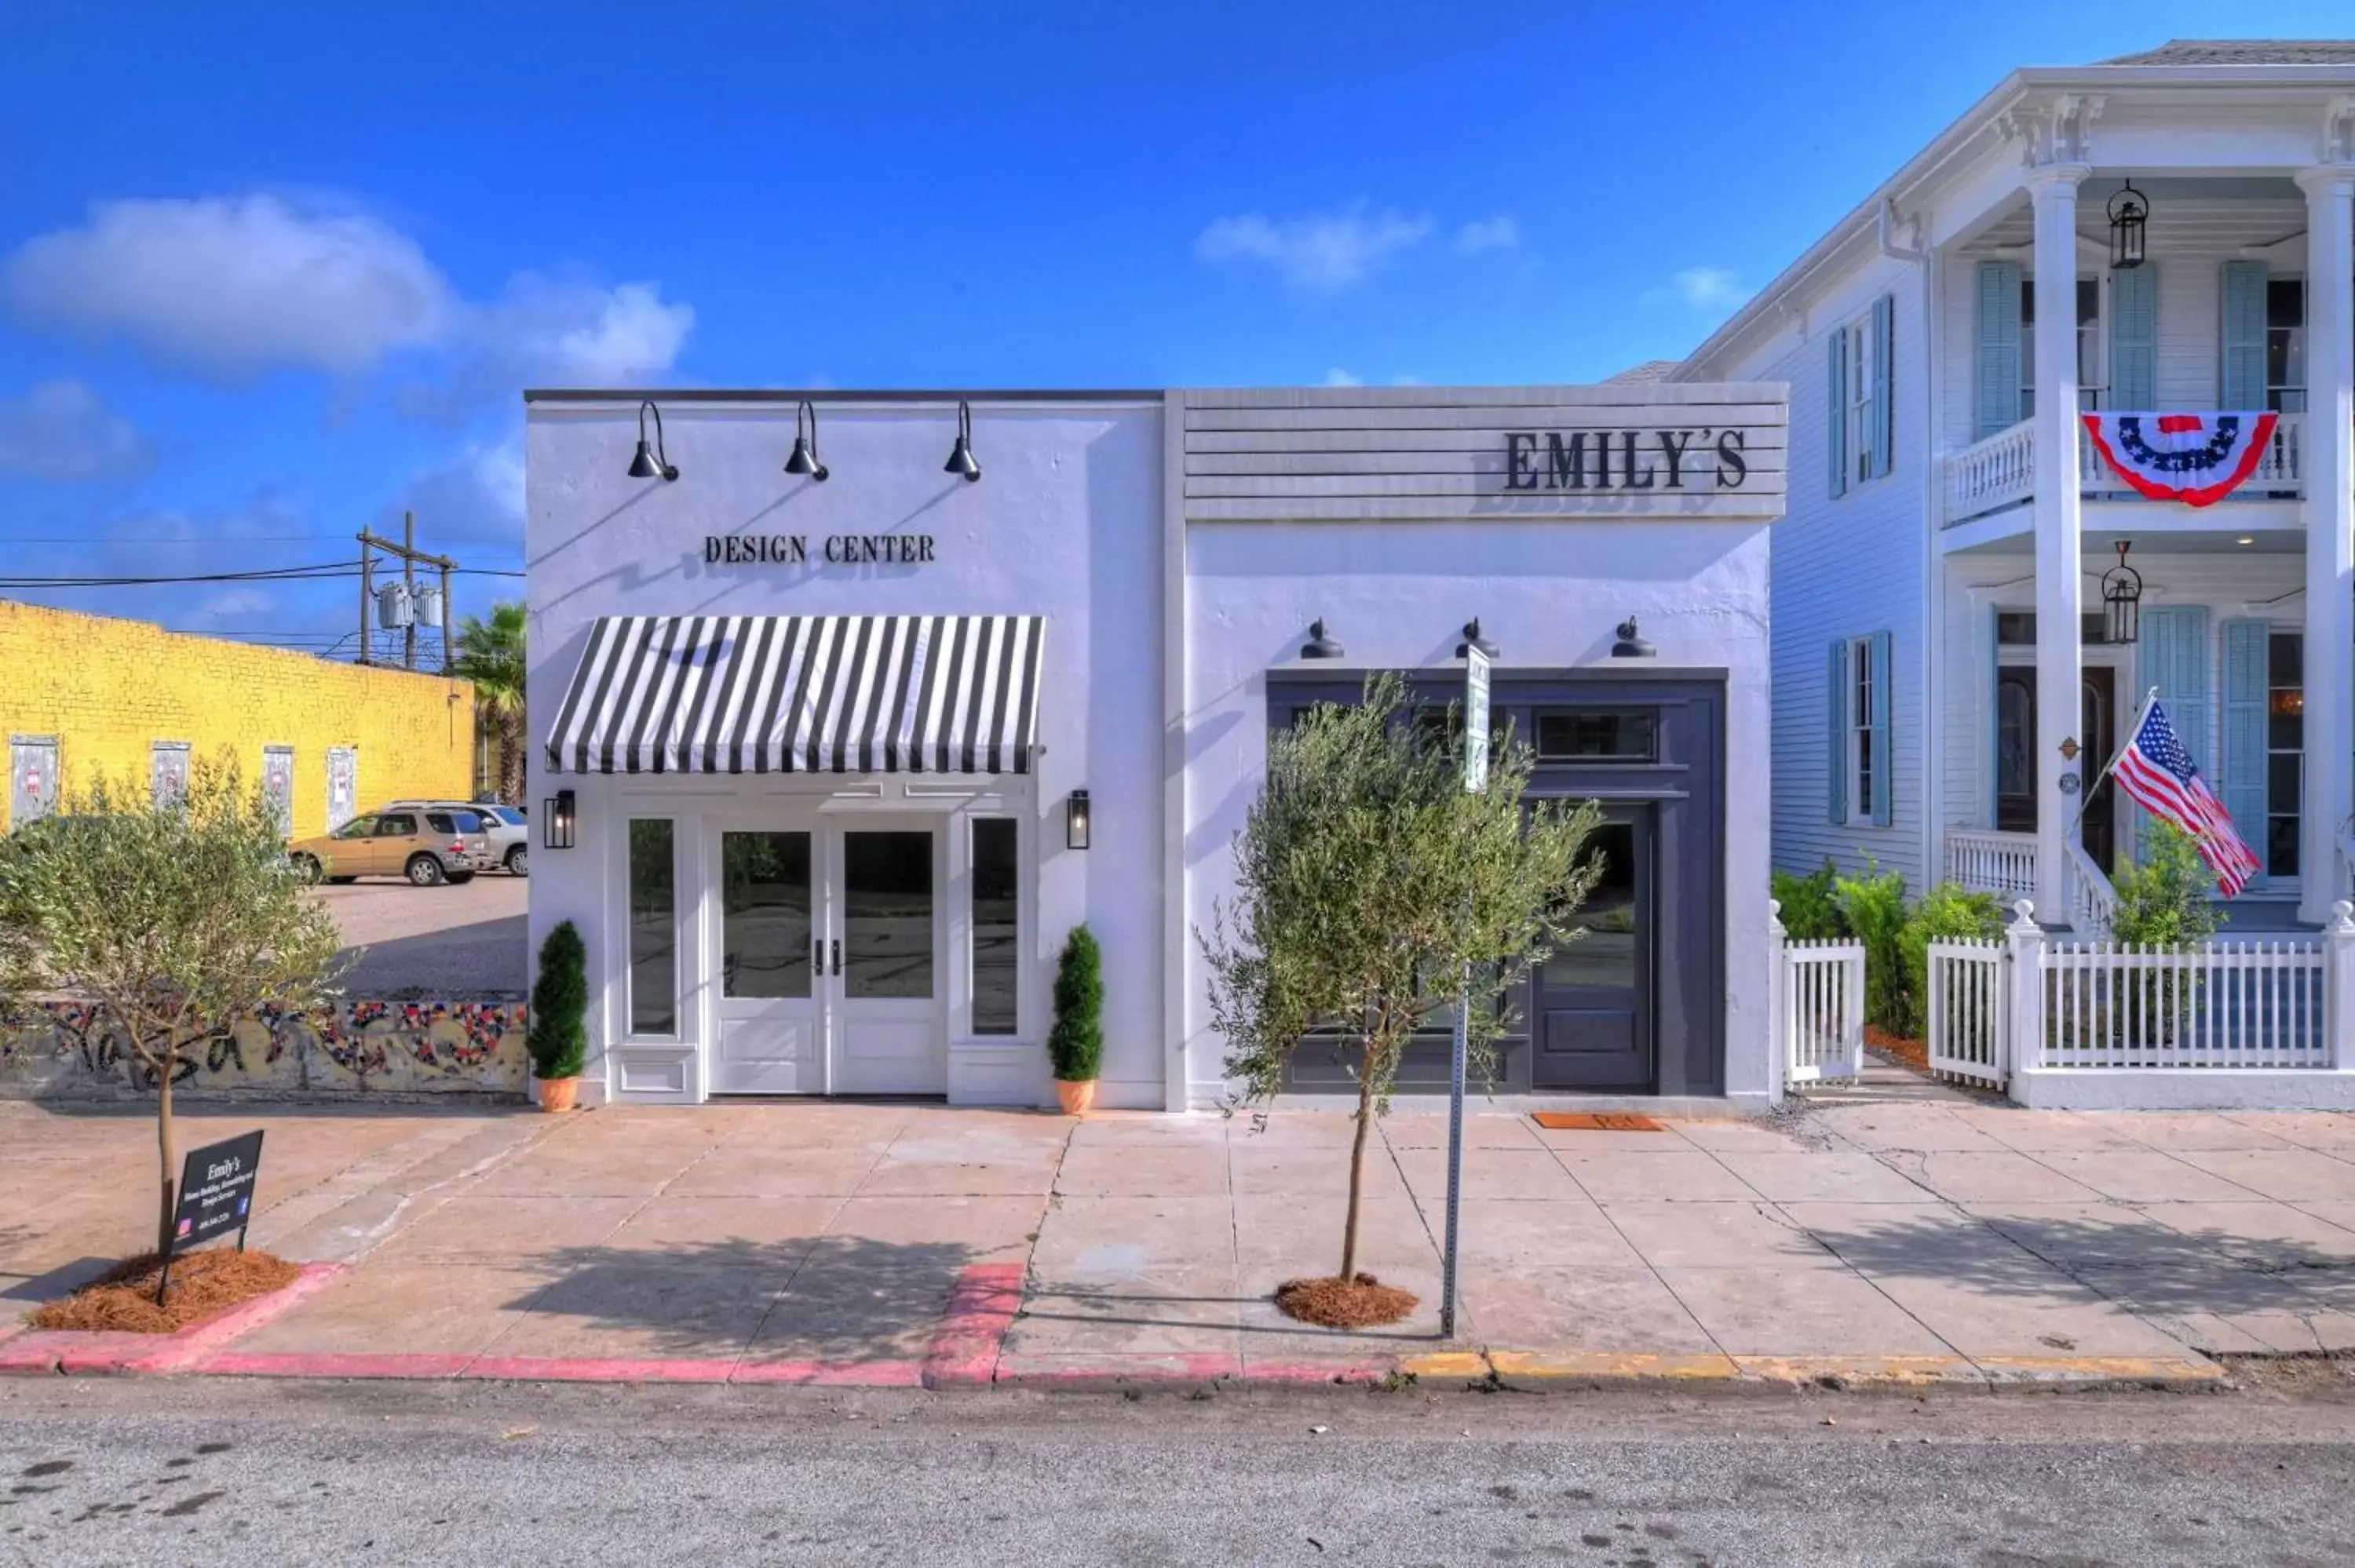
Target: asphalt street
x,y
359,1474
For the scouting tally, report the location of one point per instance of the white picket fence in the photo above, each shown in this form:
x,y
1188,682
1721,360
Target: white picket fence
x,y
1969,1011
2243,1004
1819,1010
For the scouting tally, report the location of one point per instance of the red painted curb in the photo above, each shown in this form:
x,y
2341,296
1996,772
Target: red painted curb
x,y
97,1352
182,1351
824,1374
596,1369
964,1349
333,1365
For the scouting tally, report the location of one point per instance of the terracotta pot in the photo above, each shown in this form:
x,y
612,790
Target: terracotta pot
x,y
1076,1097
558,1094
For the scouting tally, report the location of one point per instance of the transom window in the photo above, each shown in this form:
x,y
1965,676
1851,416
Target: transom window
x,y
1598,735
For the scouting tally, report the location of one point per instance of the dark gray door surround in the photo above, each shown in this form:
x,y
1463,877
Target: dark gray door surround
x,y
1678,791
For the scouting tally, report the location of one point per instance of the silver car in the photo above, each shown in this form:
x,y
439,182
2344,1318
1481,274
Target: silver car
x,y
428,845
506,829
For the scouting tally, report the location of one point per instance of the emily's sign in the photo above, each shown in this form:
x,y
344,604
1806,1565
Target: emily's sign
x,y
836,549
1625,460
216,1191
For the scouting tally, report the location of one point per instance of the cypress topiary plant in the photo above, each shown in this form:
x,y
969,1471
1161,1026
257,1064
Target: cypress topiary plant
x,y
559,1039
1075,1044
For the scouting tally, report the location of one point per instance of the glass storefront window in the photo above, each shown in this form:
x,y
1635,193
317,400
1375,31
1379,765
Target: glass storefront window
x,y
765,915
997,926
887,922
654,928
1605,955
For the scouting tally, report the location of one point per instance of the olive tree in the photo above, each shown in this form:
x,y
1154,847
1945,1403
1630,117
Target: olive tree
x,y
176,918
1368,880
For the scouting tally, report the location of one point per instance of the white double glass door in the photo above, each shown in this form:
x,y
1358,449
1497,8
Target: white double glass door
x,y
829,952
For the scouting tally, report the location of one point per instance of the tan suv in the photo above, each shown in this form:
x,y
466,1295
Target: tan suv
x,y
426,846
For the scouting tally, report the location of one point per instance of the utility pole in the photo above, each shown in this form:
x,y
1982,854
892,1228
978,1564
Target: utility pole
x,y
412,557
409,578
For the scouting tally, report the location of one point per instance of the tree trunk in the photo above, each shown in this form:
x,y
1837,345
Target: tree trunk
x,y
165,1152
511,772
1358,1160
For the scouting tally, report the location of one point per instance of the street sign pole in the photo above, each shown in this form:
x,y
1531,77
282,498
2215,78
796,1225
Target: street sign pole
x,y
1476,779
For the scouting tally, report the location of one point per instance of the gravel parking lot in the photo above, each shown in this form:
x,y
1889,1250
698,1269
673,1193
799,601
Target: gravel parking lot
x,y
419,942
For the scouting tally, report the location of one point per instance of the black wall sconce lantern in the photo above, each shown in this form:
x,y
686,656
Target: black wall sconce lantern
x,y
804,461
2128,210
1076,825
1318,645
1632,644
1472,638
2122,600
561,820
652,462
961,458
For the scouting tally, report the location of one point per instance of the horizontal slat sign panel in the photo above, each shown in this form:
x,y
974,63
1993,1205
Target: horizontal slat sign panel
x,y
1408,453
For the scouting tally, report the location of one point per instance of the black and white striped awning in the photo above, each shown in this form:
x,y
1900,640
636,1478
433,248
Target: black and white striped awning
x,y
803,693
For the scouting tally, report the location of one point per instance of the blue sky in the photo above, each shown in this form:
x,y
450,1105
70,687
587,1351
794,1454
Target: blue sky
x,y
269,273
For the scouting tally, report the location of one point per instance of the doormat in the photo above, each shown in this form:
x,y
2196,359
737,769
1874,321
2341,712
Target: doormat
x,y
1595,1121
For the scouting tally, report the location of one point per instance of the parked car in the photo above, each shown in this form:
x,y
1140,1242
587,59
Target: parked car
x,y
505,827
427,845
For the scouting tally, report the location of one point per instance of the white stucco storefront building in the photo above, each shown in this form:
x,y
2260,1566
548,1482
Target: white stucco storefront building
x,y
825,741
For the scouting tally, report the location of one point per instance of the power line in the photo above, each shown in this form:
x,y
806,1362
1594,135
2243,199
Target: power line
x,y
283,573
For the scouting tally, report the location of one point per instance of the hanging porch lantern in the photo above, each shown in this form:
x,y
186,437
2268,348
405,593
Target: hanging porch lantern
x,y
2122,600
2129,209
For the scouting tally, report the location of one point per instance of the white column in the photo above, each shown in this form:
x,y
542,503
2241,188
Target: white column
x,y
2329,535
2059,557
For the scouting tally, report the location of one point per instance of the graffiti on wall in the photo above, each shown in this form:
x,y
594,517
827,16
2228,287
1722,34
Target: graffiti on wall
x,y
64,1049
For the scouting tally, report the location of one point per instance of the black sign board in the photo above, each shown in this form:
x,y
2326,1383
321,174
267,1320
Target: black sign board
x,y
216,1191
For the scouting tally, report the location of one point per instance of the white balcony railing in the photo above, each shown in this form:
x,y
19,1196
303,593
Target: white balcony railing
x,y
1985,862
1999,471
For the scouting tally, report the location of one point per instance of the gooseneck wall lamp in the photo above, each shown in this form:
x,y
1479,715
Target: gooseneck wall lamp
x,y
804,461
1472,638
1318,645
961,458
652,462
1632,644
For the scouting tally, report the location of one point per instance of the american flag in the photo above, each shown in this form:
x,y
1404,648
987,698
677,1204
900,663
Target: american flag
x,y
2158,773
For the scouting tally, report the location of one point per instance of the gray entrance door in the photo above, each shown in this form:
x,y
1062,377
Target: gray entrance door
x,y
32,777
1591,1011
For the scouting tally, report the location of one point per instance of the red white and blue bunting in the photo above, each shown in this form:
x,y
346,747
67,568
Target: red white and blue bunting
x,y
2197,459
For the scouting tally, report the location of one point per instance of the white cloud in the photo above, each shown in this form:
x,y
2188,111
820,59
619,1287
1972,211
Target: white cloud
x,y
62,431
1336,376
477,496
229,287
1320,251
1501,232
572,333
1701,288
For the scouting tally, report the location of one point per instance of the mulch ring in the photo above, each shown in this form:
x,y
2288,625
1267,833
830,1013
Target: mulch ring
x,y
1364,1302
204,1284
1913,1053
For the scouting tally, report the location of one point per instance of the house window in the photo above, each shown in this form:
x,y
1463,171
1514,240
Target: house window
x,y
2285,344
2089,345
1860,735
2284,749
1864,432
997,926
654,928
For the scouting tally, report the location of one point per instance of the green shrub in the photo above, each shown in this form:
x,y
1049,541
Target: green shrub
x,y
1874,907
559,1038
2164,901
1811,911
1947,910
1075,1043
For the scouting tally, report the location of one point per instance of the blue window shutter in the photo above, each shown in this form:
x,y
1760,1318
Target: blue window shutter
x,y
1836,422
1836,713
2242,764
1884,343
2174,658
1999,347
2244,336
1882,740
2134,340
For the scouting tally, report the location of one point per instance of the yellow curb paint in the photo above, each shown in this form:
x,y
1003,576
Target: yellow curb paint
x,y
1860,1370
2101,1368
1446,1363
1540,1366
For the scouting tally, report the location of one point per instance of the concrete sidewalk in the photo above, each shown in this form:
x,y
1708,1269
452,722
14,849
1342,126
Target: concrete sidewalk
x,y
1891,1238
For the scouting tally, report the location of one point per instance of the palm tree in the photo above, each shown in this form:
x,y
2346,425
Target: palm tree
x,y
491,654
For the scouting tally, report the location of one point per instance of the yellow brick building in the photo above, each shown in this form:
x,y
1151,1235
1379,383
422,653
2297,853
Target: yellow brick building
x,y
86,695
